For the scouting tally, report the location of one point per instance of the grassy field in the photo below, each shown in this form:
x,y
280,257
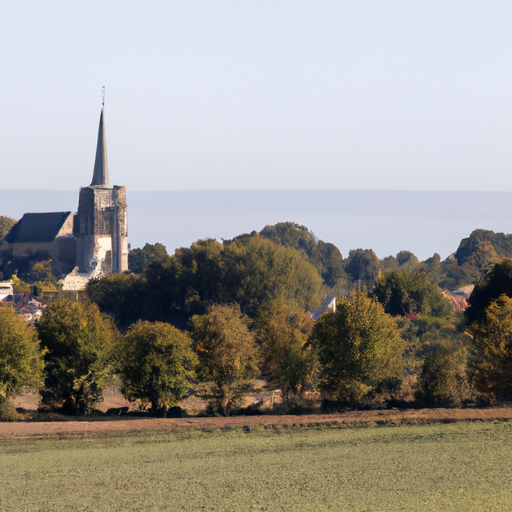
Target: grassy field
x,y
458,466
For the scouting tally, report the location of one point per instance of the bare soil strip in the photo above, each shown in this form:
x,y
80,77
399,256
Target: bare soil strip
x,y
354,418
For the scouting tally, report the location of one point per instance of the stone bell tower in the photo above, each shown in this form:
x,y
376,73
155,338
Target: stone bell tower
x,y
101,223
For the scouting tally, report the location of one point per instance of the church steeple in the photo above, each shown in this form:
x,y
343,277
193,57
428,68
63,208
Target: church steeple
x,y
100,173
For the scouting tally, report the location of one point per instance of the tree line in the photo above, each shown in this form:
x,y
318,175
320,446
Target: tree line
x,y
213,317
473,257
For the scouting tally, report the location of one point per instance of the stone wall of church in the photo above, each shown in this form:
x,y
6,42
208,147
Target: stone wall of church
x,y
23,254
101,230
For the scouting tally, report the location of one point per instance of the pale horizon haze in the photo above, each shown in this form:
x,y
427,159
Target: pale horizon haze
x,y
225,95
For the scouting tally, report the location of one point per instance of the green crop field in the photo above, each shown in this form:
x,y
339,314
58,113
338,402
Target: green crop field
x,y
462,466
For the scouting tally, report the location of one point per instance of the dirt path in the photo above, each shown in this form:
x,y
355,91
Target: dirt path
x,y
23,429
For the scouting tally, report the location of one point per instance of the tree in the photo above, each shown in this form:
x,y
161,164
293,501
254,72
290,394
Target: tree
x,y
492,347
21,361
139,259
157,364
358,347
454,275
474,256
424,335
432,266
121,296
6,224
227,353
443,377
410,293
389,263
80,345
326,257
483,247
249,271
42,273
407,260
334,273
362,266
493,284
265,271
290,234
288,360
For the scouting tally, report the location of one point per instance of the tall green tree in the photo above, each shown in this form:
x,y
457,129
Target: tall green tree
x,y
410,293
496,282
248,272
407,261
433,267
326,257
21,360
492,349
483,247
265,271
122,296
6,224
227,353
80,346
289,362
359,347
157,364
443,377
139,259
475,255
362,267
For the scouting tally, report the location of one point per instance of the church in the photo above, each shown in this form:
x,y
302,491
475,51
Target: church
x,y
90,243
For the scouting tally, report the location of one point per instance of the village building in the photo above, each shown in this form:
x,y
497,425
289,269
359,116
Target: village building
x,y
328,305
90,243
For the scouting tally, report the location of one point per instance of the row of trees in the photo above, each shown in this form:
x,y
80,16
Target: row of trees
x,y
216,315
474,256
361,267
282,261
355,355
250,271
75,350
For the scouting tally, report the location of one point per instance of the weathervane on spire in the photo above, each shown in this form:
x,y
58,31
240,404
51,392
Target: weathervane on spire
x,y
103,96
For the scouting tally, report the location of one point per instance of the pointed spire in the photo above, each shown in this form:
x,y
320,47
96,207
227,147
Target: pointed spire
x,y
100,174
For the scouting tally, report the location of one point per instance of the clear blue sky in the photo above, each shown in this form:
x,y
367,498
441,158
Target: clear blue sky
x,y
258,94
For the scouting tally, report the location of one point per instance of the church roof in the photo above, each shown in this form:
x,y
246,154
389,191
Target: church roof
x,y
37,227
100,173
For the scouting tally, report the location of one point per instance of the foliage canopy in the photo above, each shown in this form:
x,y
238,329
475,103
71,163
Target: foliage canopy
x,y
248,271
359,347
492,347
326,257
139,259
156,364
493,284
289,361
362,267
80,344
6,224
21,361
227,352
444,378
410,293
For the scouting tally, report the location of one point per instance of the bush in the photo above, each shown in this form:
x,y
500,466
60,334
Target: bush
x,y
443,378
8,411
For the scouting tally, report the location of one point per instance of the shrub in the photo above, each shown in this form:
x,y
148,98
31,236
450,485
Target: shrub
x,y
443,378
